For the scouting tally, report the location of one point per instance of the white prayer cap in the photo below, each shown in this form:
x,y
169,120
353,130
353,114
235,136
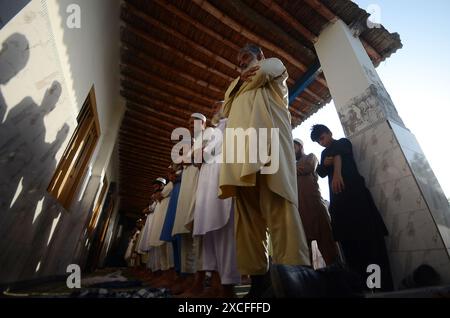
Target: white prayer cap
x,y
199,116
299,141
161,180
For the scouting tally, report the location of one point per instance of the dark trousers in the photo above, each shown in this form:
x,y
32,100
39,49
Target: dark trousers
x,y
360,254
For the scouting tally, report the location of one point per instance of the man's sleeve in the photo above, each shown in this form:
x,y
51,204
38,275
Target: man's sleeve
x,y
270,69
273,68
321,170
167,190
342,147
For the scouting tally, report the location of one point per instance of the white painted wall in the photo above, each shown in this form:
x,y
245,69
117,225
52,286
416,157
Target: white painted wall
x,y
39,237
89,56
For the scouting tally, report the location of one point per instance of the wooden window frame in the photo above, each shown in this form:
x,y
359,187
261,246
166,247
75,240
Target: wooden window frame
x,y
98,207
73,164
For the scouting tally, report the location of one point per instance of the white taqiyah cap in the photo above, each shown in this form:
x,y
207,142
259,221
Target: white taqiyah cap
x,y
162,180
199,116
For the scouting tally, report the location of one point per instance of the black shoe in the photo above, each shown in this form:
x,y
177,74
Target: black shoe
x,y
300,281
261,287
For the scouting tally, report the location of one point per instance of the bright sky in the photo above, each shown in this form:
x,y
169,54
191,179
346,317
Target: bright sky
x,y
417,77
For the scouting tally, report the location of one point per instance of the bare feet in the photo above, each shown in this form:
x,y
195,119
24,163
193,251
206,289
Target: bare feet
x,y
196,288
185,283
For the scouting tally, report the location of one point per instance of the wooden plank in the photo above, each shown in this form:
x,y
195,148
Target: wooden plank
x,y
146,38
160,25
289,19
143,60
156,103
148,78
150,88
245,32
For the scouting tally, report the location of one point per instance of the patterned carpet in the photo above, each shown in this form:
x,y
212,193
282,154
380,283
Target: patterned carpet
x,y
103,283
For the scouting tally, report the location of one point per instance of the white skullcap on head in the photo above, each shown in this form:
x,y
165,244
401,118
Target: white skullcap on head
x,y
298,141
199,116
162,180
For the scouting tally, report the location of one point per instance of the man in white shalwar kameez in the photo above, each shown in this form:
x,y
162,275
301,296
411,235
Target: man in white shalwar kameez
x,y
190,247
143,246
164,248
214,217
153,253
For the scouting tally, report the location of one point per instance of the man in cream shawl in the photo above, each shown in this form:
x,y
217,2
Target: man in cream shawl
x,y
265,190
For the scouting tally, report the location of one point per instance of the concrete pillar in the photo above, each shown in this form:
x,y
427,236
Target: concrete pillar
x,y
407,193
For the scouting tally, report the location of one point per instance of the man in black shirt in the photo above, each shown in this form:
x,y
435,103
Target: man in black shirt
x,y
355,220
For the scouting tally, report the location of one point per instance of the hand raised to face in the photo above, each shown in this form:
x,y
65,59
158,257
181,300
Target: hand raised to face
x,y
248,74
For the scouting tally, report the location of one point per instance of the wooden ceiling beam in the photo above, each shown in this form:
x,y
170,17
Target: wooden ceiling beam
x,y
140,193
148,135
145,38
147,88
147,78
132,171
181,118
147,158
320,8
145,146
128,118
144,181
155,118
138,175
157,24
151,121
198,25
171,8
269,3
139,181
142,166
248,34
147,60
131,135
150,149
182,55
147,111
155,103
135,200
289,19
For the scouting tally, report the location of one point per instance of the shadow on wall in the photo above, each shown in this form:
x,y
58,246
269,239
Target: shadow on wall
x,y
27,162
